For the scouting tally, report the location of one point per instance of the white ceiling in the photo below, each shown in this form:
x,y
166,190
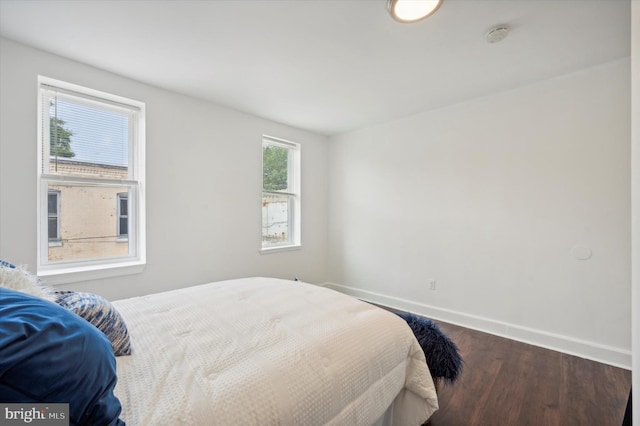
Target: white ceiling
x,y
328,66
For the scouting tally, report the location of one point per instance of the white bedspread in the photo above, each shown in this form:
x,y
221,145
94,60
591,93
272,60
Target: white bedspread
x,y
262,351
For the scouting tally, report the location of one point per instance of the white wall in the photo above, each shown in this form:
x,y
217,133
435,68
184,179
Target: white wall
x,y
488,198
203,171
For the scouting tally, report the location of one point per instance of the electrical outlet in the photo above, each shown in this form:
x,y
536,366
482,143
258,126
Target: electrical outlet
x,y
432,284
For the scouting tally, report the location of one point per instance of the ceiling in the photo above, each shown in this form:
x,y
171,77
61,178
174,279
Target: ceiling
x,y
328,66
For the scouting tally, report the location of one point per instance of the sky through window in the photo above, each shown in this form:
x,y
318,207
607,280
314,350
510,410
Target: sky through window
x,y
98,135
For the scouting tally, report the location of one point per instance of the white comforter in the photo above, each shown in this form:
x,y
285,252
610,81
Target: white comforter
x,y
262,351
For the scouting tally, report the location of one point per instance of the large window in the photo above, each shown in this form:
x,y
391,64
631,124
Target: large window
x,y
91,182
280,194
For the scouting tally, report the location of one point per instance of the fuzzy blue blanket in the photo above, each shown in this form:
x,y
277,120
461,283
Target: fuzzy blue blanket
x,y
442,354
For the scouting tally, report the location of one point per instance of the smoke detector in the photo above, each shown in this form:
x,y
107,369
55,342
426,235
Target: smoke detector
x,y
497,33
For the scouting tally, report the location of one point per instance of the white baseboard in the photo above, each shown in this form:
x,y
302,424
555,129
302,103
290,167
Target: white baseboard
x,y
569,345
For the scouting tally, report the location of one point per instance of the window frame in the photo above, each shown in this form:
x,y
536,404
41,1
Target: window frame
x,y
79,270
293,193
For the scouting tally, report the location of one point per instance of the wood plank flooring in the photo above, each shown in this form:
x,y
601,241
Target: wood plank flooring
x,y
506,383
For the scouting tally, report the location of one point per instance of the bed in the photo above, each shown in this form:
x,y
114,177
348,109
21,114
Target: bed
x,y
263,351
252,351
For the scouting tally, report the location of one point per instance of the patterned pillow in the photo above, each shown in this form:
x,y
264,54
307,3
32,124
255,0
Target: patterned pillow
x,y
16,278
102,314
5,264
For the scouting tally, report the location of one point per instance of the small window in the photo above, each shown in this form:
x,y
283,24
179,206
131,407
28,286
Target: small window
x,y
53,218
123,215
91,169
280,194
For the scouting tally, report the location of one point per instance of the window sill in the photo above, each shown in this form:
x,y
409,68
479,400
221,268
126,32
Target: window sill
x,y
62,275
278,249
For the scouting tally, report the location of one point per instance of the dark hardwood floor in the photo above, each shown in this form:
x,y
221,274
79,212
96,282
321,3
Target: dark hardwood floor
x,y
506,383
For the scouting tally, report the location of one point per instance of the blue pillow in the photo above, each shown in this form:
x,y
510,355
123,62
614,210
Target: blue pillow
x,y
49,354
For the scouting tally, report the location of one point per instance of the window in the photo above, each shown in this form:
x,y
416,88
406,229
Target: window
x,y
123,216
91,183
280,194
53,218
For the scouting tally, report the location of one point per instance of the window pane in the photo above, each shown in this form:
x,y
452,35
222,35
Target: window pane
x,y
124,226
88,222
53,228
123,206
275,168
87,139
276,214
53,203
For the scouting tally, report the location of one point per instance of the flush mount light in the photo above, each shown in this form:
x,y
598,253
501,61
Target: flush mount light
x,y
412,10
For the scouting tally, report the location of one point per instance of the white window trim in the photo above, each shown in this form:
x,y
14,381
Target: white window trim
x,y
63,272
295,171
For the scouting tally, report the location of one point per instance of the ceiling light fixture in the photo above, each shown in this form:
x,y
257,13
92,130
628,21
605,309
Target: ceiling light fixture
x,y
407,11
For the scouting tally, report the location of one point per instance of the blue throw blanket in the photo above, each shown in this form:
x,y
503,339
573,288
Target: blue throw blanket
x,y
442,354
